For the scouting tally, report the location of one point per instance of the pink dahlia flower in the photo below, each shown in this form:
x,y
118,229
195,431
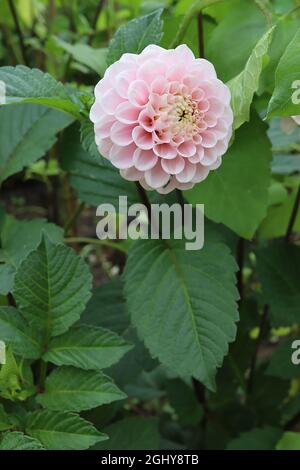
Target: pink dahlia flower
x,y
162,118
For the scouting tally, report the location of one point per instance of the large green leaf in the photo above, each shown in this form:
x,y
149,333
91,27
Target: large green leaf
x,y
96,181
30,131
14,330
93,58
87,347
289,441
134,433
25,85
244,85
52,286
183,304
257,439
18,238
287,74
71,389
135,35
62,430
19,441
237,32
278,268
236,194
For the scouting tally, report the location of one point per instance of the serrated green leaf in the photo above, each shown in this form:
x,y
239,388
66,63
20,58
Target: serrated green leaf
x,y
30,131
257,439
62,430
19,441
183,304
287,73
25,85
95,181
244,86
289,441
278,268
52,286
24,340
236,194
87,347
87,139
135,35
134,433
18,238
71,389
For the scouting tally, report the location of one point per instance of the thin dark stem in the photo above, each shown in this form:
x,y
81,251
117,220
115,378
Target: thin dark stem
x,y
240,261
262,331
143,197
201,398
42,375
200,35
293,216
180,197
19,31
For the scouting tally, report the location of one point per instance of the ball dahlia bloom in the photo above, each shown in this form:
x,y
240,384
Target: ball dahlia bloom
x,y
162,118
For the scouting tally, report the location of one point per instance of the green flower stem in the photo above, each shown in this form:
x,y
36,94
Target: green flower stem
x,y
194,9
95,241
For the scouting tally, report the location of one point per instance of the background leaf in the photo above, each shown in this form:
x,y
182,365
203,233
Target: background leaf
x,y
135,36
52,286
171,296
30,132
62,431
71,389
87,347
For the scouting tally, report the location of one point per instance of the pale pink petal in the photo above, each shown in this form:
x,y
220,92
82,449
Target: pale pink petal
x,y
127,113
96,112
142,138
187,149
138,93
184,53
156,177
174,166
144,159
121,134
166,151
110,100
122,157
146,119
187,174
150,70
209,139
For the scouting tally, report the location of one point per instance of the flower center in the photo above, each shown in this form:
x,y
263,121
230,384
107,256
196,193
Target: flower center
x,y
185,117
